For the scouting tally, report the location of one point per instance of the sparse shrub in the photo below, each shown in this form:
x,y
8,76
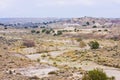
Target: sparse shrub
x,y
53,31
28,43
55,34
103,26
105,30
54,63
34,78
75,30
5,28
10,72
33,31
37,32
96,74
94,26
47,32
115,38
99,30
79,39
93,44
0,55
22,46
59,32
112,78
82,44
43,55
65,31
38,60
78,30
52,72
84,25
87,23
26,27
69,30
44,30
93,22
42,27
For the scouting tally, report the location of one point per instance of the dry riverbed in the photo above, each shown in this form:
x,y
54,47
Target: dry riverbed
x,y
85,65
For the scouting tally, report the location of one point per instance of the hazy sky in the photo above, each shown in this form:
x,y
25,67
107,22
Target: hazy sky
x,y
59,8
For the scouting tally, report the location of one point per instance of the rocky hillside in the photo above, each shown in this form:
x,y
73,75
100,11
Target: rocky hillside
x,y
59,22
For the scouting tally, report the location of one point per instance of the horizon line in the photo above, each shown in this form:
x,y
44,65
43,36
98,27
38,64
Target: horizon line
x,y
56,17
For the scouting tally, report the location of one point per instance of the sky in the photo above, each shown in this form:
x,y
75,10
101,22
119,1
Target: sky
x,y
59,8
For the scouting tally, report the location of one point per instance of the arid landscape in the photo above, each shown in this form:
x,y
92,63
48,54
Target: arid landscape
x,y
59,49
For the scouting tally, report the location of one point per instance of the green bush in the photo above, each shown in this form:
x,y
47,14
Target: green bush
x,y
93,44
94,26
37,32
55,34
33,31
52,72
96,74
87,23
44,30
47,32
99,30
79,39
59,32
105,30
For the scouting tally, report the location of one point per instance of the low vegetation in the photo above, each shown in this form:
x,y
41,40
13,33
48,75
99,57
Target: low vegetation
x,y
93,44
96,74
71,50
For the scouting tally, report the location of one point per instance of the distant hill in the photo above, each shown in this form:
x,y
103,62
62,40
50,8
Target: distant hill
x,y
83,21
26,20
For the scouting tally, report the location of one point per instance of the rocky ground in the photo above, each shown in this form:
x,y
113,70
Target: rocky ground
x,y
26,56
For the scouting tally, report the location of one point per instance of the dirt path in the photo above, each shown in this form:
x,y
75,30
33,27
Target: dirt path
x,y
39,71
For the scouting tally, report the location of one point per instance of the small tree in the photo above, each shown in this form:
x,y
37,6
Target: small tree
x,y
93,44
